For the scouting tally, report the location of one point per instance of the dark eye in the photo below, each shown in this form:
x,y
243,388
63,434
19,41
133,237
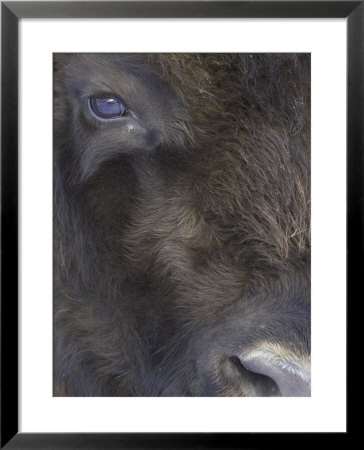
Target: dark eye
x,y
107,107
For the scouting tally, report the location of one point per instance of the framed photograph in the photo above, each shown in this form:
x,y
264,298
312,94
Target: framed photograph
x,y
181,221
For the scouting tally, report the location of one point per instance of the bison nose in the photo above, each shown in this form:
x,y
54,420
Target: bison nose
x,y
291,373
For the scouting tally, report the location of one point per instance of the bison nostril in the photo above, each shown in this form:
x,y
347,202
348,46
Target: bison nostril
x,y
263,385
291,375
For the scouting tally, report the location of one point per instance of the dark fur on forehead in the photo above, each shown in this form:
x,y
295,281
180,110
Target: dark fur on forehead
x,y
178,245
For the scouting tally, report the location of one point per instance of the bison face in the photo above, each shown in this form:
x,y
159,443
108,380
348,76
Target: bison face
x,y
181,225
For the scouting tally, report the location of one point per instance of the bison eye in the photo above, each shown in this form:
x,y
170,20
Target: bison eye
x,y
107,107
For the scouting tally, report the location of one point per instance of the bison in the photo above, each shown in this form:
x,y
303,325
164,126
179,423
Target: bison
x,y
182,225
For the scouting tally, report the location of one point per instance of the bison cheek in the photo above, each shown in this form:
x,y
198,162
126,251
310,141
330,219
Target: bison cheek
x,y
131,138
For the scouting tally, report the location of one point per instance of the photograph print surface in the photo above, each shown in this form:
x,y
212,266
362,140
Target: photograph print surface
x,y
181,225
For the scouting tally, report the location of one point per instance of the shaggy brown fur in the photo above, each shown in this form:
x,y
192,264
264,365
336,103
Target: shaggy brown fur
x,y
176,248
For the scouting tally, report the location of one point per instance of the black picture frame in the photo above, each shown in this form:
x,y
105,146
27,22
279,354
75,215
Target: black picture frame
x,y
11,12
